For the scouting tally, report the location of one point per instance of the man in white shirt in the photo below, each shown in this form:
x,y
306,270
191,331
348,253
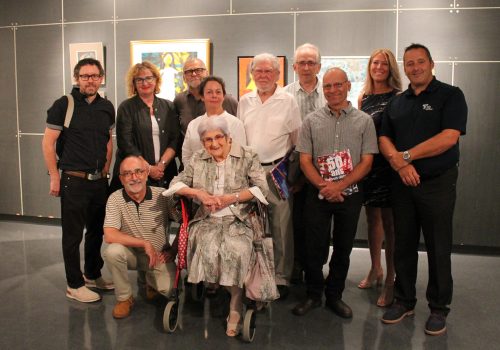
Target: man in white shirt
x,y
308,93
271,118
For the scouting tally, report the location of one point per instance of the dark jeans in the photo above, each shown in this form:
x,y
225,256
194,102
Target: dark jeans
x,y
83,205
318,214
299,202
428,207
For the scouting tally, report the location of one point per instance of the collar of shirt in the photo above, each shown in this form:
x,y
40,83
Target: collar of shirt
x,y
278,94
433,85
148,196
343,111
315,90
81,97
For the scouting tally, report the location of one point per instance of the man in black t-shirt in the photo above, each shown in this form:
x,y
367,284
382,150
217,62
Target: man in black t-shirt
x,y
84,148
419,137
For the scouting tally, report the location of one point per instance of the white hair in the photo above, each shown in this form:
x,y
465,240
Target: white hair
x,y
307,46
212,124
265,57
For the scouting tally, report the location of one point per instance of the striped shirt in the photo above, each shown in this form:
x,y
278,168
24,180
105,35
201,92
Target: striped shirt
x,y
322,133
308,102
146,220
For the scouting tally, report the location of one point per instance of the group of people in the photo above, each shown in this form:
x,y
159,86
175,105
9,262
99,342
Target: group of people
x,y
397,155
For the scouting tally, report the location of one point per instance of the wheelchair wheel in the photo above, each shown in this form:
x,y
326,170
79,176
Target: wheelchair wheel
x,y
249,326
171,316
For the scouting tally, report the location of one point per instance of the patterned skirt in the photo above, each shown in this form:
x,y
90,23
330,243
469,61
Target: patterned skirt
x,y
377,187
219,251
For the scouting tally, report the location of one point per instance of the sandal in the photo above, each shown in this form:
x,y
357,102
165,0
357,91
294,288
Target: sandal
x,y
387,296
233,329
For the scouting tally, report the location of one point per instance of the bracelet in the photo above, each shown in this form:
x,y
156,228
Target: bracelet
x,y
237,194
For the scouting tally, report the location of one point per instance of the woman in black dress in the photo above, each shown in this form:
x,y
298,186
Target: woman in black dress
x,y
382,83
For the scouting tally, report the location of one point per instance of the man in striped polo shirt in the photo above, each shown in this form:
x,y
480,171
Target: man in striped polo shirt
x,y
134,228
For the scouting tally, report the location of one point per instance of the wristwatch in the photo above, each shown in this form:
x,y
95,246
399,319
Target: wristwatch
x,y
407,156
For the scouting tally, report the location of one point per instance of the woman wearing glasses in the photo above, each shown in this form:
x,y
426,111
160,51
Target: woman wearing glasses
x,y
223,177
382,83
212,91
147,126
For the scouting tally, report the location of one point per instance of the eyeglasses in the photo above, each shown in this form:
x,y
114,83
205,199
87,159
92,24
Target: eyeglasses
x,y
198,71
94,77
209,140
263,71
137,172
148,79
334,85
307,63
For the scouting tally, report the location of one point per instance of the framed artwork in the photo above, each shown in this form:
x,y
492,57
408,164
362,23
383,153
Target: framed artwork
x,y
245,79
169,56
354,66
78,51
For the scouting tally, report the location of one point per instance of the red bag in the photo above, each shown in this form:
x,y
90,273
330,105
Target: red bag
x,y
183,239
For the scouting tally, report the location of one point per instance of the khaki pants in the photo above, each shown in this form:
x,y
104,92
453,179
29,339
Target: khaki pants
x,y
119,259
280,220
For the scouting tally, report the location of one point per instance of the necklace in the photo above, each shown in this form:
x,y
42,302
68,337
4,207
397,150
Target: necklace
x,y
219,175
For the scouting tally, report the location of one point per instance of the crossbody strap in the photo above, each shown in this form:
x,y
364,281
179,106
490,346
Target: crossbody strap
x,y
69,111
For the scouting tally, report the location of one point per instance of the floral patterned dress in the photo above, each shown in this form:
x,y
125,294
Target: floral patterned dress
x,y
220,247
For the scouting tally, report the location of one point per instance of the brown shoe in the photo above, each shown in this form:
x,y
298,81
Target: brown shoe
x,y
151,293
122,308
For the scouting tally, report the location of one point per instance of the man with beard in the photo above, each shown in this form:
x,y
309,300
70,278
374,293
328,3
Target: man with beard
x,y
135,225
189,104
84,147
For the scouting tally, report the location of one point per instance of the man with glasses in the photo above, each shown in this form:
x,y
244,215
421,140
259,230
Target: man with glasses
x,y
336,146
308,93
188,103
135,226
272,119
82,142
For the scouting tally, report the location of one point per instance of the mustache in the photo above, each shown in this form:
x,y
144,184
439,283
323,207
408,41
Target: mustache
x,y
134,182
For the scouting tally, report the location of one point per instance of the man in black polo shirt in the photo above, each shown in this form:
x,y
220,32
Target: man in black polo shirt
x,y
84,148
420,132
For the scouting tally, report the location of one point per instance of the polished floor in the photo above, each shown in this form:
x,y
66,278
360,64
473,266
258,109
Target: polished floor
x,y
35,314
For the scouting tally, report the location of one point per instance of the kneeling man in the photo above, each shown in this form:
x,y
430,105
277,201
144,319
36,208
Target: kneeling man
x,y
134,228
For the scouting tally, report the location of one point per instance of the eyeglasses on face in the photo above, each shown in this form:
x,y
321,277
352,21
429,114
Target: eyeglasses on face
x,y
149,79
128,173
334,85
94,77
210,140
198,71
307,63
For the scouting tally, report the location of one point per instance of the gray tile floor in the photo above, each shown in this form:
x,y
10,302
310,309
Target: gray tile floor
x,y
35,313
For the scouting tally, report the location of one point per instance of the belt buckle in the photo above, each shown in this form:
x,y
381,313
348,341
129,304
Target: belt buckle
x,y
93,177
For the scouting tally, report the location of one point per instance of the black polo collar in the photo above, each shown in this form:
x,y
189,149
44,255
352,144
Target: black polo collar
x,y
148,196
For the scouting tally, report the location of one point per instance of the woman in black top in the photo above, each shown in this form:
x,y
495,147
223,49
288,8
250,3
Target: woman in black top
x,y
382,83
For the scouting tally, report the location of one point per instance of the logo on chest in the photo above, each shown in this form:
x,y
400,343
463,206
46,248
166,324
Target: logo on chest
x,y
427,107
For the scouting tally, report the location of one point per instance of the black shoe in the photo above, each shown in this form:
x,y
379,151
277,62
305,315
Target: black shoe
x,y
339,307
395,313
304,307
436,324
284,291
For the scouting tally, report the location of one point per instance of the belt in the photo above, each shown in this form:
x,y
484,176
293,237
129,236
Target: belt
x,y
87,176
274,162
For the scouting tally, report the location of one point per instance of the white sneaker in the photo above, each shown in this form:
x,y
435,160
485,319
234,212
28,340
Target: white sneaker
x,y
99,283
82,294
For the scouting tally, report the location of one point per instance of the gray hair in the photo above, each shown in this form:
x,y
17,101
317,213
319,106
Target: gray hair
x,y
265,57
307,46
192,59
331,69
212,124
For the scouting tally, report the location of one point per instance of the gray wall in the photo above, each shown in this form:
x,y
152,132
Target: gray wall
x,y
34,55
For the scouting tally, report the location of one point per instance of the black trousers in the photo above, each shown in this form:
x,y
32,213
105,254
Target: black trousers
x,y
299,247
318,214
428,208
83,205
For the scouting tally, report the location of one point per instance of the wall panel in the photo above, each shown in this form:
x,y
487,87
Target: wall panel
x,y
35,180
40,77
93,10
10,200
467,35
477,220
168,8
22,12
245,6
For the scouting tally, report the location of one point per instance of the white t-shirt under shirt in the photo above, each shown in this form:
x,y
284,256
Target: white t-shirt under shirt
x,y
192,141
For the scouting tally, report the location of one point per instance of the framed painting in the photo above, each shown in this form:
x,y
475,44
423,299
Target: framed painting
x,y
245,79
79,51
169,56
354,66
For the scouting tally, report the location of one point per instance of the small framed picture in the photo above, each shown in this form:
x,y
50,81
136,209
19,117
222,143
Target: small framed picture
x,y
79,51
